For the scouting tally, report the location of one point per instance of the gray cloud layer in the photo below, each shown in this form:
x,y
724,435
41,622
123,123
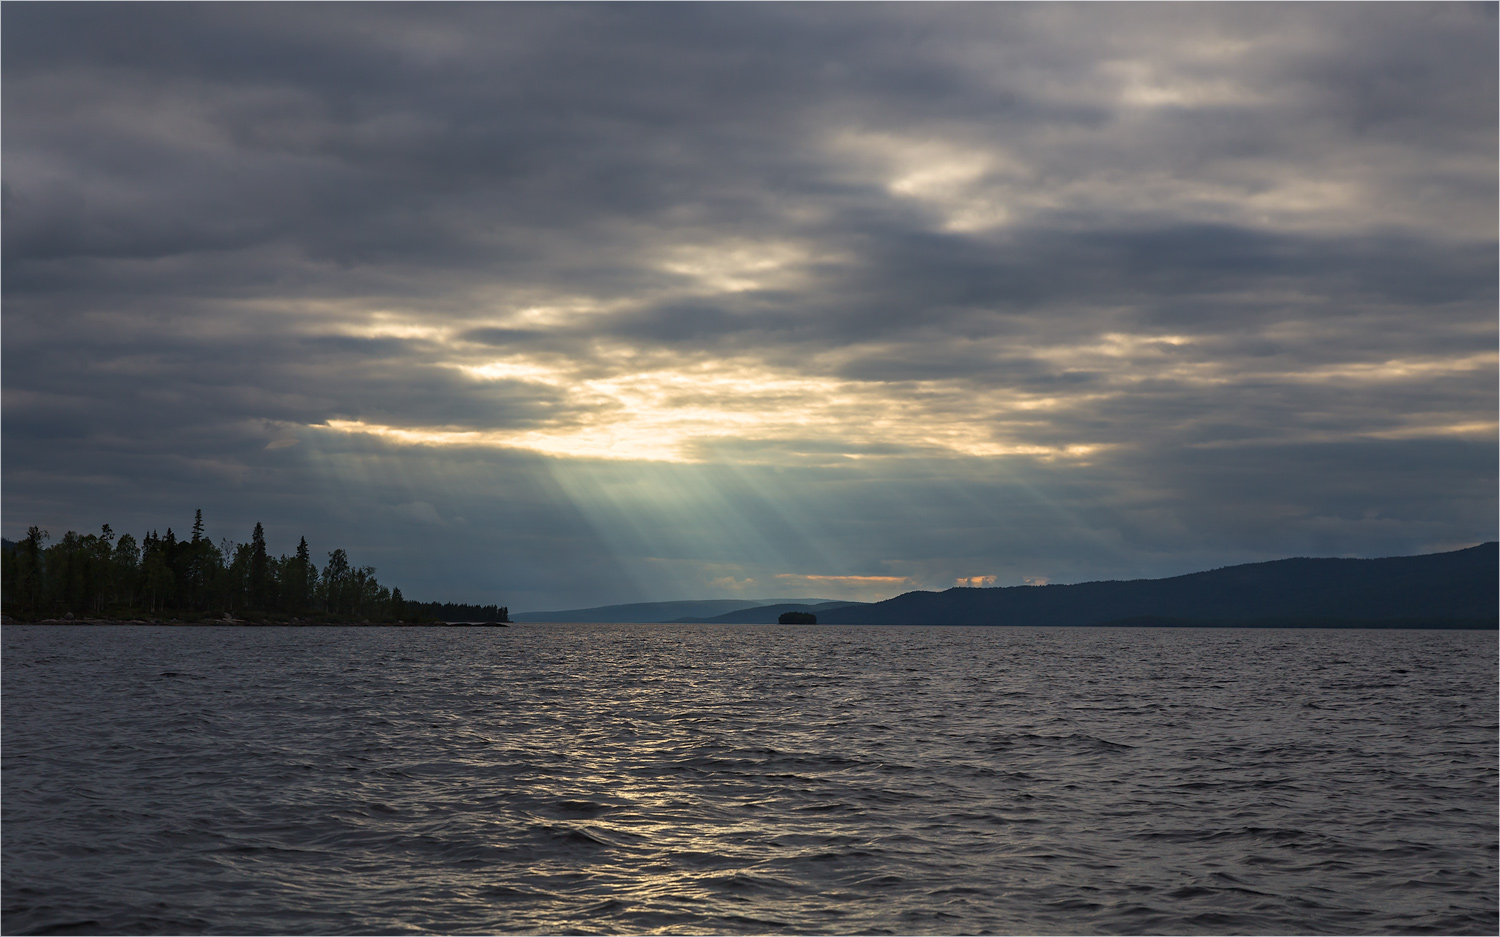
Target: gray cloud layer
x,y
971,290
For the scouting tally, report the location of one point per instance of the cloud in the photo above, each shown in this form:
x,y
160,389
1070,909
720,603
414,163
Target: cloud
x,y
976,582
900,291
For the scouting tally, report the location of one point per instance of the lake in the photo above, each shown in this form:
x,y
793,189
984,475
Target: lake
x,y
549,778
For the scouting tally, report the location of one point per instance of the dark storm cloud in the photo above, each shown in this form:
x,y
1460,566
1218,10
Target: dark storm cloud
x,y
1203,240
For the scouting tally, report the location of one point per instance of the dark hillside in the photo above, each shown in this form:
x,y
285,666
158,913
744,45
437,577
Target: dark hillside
x,y
768,614
1454,589
644,612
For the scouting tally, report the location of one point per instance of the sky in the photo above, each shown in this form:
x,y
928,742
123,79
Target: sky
x,y
564,305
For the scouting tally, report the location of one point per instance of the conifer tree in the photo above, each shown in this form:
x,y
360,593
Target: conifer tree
x,y
259,579
27,583
299,578
156,575
197,565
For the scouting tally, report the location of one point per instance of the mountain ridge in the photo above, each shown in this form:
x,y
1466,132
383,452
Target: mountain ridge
x,y
652,612
1452,589
766,614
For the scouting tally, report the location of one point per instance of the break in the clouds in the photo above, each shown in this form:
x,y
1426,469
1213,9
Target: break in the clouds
x,y
563,305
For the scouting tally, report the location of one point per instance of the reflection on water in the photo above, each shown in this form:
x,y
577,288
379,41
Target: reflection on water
x,y
748,779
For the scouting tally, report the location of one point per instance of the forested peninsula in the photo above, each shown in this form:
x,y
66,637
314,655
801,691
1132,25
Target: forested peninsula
x,y
161,579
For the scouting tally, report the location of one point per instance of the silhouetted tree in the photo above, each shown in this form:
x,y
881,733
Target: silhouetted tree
x,y
25,584
336,581
156,574
259,580
238,578
175,558
198,568
123,572
297,588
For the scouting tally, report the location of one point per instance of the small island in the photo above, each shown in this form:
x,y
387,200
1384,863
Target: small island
x,y
96,578
797,618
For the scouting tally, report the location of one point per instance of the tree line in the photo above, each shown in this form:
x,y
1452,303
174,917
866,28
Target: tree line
x,y
99,575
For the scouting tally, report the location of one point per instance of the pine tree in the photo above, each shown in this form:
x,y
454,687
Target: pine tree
x,y
299,578
197,565
259,579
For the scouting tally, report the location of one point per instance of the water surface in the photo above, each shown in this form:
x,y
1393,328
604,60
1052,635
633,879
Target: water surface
x,y
748,779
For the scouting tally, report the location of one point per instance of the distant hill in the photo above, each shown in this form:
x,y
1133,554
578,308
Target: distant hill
x,y
1444,590
767,614
646,612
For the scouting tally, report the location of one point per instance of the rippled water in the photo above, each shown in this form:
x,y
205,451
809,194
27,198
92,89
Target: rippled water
x,y
762,779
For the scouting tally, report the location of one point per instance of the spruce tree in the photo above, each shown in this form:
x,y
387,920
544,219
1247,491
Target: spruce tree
x,y
301,575
197,564
259,569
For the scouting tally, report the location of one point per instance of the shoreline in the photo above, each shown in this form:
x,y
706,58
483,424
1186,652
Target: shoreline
x,y
253,623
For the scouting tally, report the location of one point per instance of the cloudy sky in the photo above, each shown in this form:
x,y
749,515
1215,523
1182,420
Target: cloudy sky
x,y
557,306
